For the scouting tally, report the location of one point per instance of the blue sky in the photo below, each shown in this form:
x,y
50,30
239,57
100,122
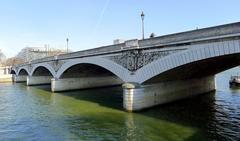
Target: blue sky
x,y
93,23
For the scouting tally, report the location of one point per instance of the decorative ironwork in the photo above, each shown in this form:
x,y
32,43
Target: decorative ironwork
x,y
56,64
136,59
29,67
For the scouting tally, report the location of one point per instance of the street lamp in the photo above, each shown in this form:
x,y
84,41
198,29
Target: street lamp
x,y
142,17
67,44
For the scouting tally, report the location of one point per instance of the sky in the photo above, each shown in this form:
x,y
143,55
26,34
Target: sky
x,y
94,23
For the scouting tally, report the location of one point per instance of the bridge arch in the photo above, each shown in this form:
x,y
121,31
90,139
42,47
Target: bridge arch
x,y
106,64
13,71
23,71
43,69
193,62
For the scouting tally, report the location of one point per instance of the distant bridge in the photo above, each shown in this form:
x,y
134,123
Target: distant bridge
x,y
151,71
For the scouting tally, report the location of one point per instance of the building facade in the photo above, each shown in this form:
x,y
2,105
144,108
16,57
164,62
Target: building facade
x,y
31,53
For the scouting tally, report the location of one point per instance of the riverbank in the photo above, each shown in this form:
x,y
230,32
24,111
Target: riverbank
x,y
5,78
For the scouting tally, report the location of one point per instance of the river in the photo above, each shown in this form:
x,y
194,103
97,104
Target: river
x,y
34,113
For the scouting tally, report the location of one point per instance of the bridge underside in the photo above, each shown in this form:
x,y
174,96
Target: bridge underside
x,y
83,76
21,77
40,76
198,69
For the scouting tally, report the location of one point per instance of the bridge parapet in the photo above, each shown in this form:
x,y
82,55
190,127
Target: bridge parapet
x,y
215,32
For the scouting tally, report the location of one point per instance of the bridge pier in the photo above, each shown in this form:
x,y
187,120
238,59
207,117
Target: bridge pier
x,y
19,78
38,80
137,97
66,84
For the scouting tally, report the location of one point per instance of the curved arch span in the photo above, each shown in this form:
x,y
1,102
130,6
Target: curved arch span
x,y
13,71
195,54
109,65
23,70
46,66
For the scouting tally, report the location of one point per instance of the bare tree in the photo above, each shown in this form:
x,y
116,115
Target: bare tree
x,y
2,58
13,61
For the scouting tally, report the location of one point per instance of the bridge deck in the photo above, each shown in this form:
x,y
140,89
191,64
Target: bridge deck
x,y
177,39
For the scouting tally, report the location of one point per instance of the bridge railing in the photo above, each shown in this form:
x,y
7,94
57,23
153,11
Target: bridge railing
x,y
89,52
95,51
232,29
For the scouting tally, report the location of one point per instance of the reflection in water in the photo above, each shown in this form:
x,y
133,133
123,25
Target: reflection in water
x,y
130,128
132,131
34,113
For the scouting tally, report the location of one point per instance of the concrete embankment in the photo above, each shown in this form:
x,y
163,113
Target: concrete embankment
x,y
5,78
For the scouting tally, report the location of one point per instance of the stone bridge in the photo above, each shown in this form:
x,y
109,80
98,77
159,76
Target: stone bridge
x,y
151,71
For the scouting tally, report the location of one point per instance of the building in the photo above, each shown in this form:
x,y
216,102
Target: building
x,y
5,70
31,53
5,75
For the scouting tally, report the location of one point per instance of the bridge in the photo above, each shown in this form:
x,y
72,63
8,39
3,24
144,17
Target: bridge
x,y
151,71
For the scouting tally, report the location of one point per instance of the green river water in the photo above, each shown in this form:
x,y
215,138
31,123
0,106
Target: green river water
x,y
34,113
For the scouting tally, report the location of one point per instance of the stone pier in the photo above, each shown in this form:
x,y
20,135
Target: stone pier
x,y
137,97
20,78
38,80
66,84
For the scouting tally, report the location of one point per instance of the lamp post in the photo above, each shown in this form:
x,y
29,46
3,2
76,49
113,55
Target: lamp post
x,y
67,44
142,17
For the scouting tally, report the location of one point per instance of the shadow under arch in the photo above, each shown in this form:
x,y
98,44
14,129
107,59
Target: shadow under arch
x,y
86,70
23,71
43,70
105,64
198,69
13,72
